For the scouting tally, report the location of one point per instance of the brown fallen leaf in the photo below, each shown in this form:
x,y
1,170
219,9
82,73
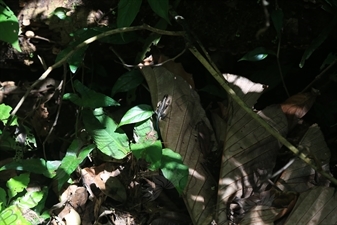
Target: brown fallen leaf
x,y
180,133
298,105
249,154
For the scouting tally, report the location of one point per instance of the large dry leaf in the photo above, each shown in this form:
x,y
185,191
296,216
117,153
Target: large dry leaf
x,y
299,176
298,105
317,206
250,151
186,130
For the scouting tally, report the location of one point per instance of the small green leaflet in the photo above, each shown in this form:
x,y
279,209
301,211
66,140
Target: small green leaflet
x,y
257,54
9,26
17,184
136,114
89,98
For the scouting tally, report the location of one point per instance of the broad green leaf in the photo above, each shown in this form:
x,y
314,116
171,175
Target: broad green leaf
x,y
89,98
127,81
110,140
5,113
3,199
318,41
12,215
136,114
9,26
174,170
277,18
257,54
144,132
39,166
17,184
127,12
161,8
74,156
152,153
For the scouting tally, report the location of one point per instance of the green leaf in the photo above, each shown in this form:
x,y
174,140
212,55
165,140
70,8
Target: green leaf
x,y
136,114
89,98
152,153
174,170
110,140
257,54
144,132
127,81
3,199
60,12
161,8
74,156
277,18
9,26
30,199
17,184
39,166
5,114
76,58
318,41
127,12
13,215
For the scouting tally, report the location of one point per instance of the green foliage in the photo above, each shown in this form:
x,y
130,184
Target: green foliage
x,y
75,155
127,82
127,12
103,129
257,54
9,26
174,170
161,8
151,152
39,166
136,114
16,201
88,98
5,113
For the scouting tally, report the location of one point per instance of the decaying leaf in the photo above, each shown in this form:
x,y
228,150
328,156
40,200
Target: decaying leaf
x,y
249,154
298,105
317,206
299,176
179,129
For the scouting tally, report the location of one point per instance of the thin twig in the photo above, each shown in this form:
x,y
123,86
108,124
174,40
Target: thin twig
x,y
158,64
62,84
119,57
